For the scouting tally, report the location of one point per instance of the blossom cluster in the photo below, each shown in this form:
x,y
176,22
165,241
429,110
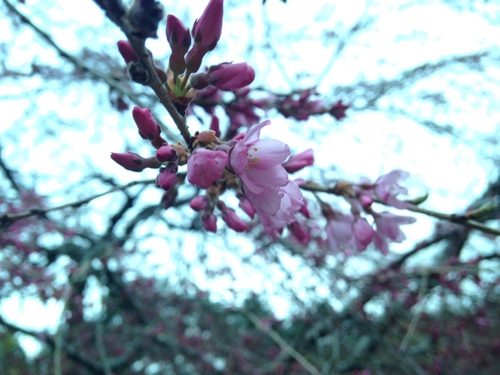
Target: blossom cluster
x,y
257,170
347,231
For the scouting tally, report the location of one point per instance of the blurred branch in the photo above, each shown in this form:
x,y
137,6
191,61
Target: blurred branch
x,y
282,343
76,61
360,25
69,350
7,219
9,174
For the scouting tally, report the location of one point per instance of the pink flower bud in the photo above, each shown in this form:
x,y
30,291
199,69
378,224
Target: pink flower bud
x,y
167,178
179,39
206,166
207,136
209,222
208,28
166,154
194,58
246,206
199,203
177,35
232,219
129,160
199,81
228,76
147,125
126,51
297,162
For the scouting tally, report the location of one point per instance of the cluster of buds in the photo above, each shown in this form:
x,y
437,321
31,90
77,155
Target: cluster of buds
x,y
188,50
167,157
348,231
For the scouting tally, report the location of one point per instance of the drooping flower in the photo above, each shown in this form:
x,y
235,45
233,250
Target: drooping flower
x,y
265,182
388,227
339,231
387,188
206,166
363,233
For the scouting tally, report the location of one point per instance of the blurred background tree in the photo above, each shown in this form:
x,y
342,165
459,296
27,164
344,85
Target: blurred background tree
x,y
135,283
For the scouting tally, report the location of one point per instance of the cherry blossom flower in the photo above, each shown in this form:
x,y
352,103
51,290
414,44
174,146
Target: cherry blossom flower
x,y
265,182
387,188
363,233
388,227
205,167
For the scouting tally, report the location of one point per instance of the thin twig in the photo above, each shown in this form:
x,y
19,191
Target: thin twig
x,y
416,317
77,61
8,219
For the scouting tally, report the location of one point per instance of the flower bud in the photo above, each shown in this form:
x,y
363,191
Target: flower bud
x,y
232,219
147,125
177,35
167,178
129,161
209,222
297,162
207,136
127,52
166,153
194,58
199,203
228,76
246,206
208,28
199,81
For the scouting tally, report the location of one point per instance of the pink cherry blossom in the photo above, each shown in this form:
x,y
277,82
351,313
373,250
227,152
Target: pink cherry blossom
x,y
258,164
387,188
339,233
363,233
205,167
388,228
